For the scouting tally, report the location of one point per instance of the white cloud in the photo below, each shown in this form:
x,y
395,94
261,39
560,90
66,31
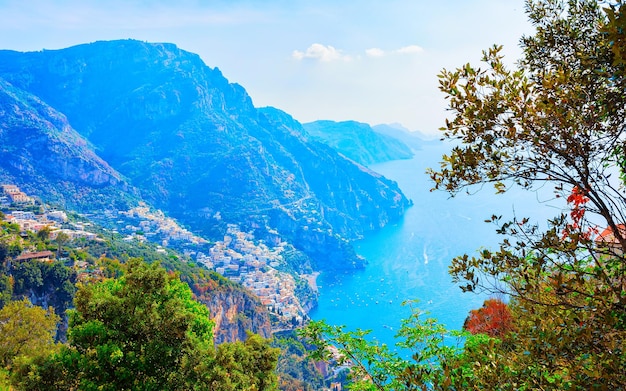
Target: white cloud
x,y
327,53
375,52
411,49
320,52
378,52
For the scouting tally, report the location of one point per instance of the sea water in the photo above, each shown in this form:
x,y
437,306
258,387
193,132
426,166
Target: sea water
x,y
409,260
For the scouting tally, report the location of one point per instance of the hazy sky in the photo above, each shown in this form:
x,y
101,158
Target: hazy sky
x,y
369,61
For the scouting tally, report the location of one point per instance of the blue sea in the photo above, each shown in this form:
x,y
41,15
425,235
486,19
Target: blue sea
x,y
409,260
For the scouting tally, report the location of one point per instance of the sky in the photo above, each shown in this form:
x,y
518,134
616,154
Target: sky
x,y
369,61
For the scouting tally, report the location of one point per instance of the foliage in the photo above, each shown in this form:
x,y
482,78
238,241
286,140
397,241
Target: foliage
x,y
538,354
6,281
375,366
60,240
114,250
26,331
136,332
615,30
102,346
556,347
50,282
295,369
5,383
144,331
46,283
6,289
493,319
556,122
111,268
248,365
44,234
557,119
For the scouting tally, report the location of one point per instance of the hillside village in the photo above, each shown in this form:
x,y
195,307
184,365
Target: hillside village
x,y
237,257
254,266
28,220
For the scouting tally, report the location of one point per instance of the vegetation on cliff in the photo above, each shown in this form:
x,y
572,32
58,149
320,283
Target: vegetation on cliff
x,y
143,331
53,283
31,330
296,370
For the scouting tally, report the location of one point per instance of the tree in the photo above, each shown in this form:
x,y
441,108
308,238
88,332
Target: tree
x,y
136,332
111,268
15,246
44,233
437,355
26,331
615,30
6,289
4,252
247,365
45,282
493,318
60,240
557,121
144,331
28,277
295,369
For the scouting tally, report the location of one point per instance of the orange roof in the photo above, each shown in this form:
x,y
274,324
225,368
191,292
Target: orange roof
x,y
608,236
37,255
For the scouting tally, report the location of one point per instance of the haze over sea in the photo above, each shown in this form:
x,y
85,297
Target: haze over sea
x,y
409,260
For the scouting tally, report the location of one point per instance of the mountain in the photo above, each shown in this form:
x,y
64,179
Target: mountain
x,y
155,118
358,141
40,150
415,140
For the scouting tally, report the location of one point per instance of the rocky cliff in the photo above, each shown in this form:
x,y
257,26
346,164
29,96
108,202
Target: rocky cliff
x,y
235,312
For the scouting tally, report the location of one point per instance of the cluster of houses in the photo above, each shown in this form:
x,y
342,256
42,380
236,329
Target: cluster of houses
x,y
54,221
254,265
155,226
237,257
12,195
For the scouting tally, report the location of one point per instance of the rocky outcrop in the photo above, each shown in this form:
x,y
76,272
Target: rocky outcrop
x,y
234,312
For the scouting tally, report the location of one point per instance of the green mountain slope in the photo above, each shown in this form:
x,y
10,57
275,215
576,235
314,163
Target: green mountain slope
x,y
41,151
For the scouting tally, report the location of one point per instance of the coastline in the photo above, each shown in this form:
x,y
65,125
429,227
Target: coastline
x,y
312,280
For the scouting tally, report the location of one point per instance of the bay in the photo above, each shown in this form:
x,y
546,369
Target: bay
x,y
409,260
